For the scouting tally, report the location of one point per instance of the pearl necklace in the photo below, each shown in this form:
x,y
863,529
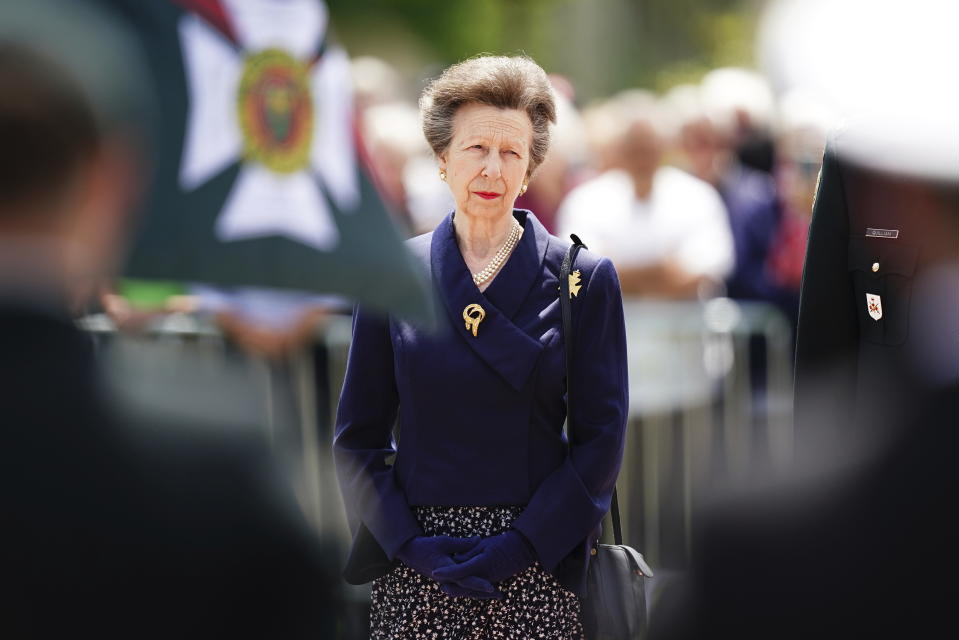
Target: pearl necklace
x,y
501,255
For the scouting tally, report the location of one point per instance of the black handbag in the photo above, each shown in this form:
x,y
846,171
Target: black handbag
x,y
614,607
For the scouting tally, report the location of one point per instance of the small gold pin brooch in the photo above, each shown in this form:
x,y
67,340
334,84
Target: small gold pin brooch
x,y
575,283
473,314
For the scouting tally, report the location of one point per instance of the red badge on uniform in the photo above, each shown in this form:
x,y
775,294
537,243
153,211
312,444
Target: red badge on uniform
x,y
874,306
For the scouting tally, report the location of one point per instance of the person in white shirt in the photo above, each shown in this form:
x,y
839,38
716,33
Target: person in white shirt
x,y
665,230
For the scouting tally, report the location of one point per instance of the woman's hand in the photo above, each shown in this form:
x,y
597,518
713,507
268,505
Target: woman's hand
x,y
492,559
427,554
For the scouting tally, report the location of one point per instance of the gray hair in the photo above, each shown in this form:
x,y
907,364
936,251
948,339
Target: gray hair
x,y
506,82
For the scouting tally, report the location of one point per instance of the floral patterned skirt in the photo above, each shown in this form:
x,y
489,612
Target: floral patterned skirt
x,y
408,605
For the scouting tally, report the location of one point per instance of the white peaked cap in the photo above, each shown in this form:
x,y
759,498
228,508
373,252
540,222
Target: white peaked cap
x,y
888,68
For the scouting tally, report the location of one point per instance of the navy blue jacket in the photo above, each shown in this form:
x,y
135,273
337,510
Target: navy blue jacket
x,y
481,418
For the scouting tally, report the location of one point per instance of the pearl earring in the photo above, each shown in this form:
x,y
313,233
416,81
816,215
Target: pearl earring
x,y
523,189
442,175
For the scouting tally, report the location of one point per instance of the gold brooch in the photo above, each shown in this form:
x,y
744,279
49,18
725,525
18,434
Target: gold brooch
x,y
473,315
574,283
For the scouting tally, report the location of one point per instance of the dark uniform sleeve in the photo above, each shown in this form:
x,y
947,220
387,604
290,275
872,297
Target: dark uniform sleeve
x,y
572,500
828,332
363,439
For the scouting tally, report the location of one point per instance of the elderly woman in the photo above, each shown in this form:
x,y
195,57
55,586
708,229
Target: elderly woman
x,y
482,523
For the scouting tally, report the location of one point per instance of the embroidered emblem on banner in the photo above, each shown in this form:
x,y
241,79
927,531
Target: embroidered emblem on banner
x,y
874,306
882,233
276,111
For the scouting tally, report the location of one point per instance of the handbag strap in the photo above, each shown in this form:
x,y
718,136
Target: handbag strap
x,y
567,312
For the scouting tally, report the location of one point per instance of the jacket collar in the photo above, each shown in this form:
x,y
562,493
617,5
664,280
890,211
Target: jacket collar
x,y
501,344
519,274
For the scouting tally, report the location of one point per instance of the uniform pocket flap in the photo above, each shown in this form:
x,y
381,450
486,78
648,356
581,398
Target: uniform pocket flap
x,y
881,256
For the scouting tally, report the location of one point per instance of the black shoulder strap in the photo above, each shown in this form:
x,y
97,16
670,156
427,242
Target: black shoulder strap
x,y
566,308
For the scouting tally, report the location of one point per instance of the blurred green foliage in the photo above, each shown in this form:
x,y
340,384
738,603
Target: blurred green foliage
x,y
601,45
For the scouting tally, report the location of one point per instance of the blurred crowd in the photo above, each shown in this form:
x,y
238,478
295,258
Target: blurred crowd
x,y
703,191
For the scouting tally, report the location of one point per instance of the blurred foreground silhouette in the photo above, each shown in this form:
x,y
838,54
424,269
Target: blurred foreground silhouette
x,y
115,524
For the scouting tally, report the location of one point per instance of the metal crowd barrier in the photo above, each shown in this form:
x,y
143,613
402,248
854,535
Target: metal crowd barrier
x,y
710,389
710,400
183,359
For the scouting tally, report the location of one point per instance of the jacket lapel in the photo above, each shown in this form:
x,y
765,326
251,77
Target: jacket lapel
x,y
506,348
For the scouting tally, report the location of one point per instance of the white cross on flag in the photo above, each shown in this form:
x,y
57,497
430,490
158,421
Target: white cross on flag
x,y
257,175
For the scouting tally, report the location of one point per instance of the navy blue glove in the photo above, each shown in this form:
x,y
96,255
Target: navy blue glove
x,y
493,559
428,554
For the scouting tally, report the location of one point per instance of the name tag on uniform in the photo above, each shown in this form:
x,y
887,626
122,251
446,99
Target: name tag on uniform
x,y
882,233
874,306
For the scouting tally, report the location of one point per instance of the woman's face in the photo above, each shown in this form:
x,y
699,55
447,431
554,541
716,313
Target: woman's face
x,y
488,158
